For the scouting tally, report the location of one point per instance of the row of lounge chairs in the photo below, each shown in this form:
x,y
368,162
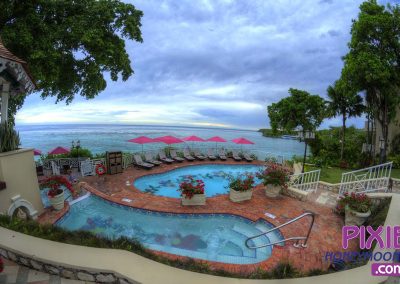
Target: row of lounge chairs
x,y
150,161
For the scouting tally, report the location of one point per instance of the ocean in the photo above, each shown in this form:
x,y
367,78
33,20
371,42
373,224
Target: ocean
x,y
100,138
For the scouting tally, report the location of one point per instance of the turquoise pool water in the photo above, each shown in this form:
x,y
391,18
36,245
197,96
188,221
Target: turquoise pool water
x,y
215,179
214,237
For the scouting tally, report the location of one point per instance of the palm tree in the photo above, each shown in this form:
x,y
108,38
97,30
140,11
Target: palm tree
x,y
344,102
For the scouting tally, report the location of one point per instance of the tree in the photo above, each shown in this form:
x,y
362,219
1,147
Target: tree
x,y
70,45
344,102
373,61
300,109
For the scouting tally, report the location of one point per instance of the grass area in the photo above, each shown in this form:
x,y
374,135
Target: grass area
x,y
334,175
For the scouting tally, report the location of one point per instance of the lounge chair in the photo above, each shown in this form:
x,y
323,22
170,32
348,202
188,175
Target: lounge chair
x,y
235,156
210,155
175,157
247,157
187,155
222,154
139,162
198,155
150,159
164,158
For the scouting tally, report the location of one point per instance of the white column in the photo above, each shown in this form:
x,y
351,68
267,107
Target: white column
x,y
4,102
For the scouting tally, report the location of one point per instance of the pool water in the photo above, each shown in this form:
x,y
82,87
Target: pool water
x,y
215,178
214,237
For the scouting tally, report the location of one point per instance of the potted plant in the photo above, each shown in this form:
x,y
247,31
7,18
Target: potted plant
x,y
56,186
241,189
192,191
356,208
275,178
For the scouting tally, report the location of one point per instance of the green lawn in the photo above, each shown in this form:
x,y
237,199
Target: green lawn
x,y
334,175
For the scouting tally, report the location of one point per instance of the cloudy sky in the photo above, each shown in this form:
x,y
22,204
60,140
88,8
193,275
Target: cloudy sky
x,y
217,63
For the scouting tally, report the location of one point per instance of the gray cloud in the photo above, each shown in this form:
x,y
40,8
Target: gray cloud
x,y
201,56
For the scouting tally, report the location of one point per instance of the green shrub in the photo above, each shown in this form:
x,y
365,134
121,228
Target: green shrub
x,y
325,148
284,270
9,138
396,161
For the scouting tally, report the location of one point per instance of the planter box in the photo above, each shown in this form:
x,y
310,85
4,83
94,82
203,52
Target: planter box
x,y
238,196
354,218
197,199
273,191
58,201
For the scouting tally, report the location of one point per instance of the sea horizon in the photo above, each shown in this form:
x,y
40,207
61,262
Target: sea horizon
x,y
99,138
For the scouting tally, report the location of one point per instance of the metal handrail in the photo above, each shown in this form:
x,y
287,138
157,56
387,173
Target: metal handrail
x,y
297,244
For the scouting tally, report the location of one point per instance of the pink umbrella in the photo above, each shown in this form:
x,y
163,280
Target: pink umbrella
x,y
142,140
168,140
216,139
242,141
37,152
193,138
59,150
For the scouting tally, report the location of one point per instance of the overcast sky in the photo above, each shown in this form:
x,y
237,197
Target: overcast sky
x,y
217,63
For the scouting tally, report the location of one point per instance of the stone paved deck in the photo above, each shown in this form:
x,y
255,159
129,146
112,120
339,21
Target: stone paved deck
x,y
325,237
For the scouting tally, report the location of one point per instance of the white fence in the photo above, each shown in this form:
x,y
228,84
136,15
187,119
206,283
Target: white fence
x,y
307,181
370,179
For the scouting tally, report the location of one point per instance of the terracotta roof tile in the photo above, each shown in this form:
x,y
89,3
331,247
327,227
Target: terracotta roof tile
x,y
5,53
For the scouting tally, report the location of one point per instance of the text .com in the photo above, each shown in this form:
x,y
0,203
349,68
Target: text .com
x,y
385,269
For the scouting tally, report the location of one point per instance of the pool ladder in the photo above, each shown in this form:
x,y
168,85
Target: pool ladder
x,y
298,239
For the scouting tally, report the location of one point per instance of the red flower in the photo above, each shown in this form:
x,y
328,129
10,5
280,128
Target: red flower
x,y
54,183
190,187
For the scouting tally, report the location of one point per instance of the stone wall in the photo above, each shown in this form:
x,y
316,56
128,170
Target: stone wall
x,y
64,272
334,187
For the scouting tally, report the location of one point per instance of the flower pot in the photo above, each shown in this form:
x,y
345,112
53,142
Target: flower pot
x,y
238,196
57,201
197,199
354,218
273,191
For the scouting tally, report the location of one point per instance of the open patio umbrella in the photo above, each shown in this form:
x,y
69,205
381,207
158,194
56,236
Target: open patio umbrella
x,y
168,140
59,151
216,139
37,152
242,141
193,138
142,140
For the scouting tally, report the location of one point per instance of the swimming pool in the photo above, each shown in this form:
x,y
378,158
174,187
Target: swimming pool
x,y
215,179
214,237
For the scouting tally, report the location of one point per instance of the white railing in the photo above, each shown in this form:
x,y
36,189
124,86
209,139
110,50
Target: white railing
x,y
307,181
72,162
370,179
88,167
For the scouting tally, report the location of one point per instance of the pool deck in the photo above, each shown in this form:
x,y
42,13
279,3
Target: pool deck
x,y
325,236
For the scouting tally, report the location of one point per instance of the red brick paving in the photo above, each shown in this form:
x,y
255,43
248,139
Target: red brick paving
x,y
325,236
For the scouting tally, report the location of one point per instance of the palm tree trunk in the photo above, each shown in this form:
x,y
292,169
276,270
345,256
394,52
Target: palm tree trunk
x,y
343,136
